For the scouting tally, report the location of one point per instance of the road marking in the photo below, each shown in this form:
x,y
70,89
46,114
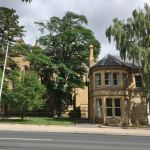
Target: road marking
x,y
25,139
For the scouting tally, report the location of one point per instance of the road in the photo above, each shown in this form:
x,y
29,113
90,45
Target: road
x,y
14,140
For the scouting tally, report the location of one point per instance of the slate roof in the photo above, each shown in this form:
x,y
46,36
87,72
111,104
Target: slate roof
x,y
110,60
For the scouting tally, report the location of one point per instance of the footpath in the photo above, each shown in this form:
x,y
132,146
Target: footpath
x,y
81,128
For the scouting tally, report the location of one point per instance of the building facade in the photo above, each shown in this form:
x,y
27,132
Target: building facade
x,y
116,93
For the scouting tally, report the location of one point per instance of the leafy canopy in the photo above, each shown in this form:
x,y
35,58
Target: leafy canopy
x,y
9,26
66,49
133,32
27,92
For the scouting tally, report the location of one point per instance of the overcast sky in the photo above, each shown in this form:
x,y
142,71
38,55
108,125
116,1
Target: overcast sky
x,y
99,13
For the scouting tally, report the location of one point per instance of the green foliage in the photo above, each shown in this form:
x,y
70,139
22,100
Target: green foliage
x,y
132,39
66,47
27,92
9,31
9,26
135,31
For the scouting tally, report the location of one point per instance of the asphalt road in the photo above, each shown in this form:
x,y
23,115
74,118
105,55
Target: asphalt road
x,y
70,141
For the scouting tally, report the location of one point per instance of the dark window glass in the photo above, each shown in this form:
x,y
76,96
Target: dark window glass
x,y
97,79
117,112
117,107
117,102
138,81
109,106
109,102
107,78
109,111
116,78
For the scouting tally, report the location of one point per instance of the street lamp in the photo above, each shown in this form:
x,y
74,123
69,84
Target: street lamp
x,y
3,74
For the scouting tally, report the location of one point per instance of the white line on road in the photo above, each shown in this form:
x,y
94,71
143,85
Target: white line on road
x,y
25,139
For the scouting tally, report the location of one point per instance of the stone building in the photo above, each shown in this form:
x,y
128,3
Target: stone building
x,y
115,92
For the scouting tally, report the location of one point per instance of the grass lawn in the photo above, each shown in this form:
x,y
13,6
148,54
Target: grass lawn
x,y
39,121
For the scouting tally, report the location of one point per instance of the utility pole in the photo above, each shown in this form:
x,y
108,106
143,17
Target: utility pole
x,y
3,75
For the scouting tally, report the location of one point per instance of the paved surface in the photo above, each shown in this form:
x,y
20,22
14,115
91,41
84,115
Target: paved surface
x,y
14,140
90,129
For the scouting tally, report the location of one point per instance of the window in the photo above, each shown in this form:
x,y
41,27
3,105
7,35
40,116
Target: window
x,y
116,78
117,107
97,79
107,78
99,107
125,80
109,106
138,81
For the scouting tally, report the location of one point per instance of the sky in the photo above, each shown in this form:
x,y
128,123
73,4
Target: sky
x,y
100,14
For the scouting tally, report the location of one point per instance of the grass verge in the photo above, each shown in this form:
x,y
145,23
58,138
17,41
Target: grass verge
x,y
39,121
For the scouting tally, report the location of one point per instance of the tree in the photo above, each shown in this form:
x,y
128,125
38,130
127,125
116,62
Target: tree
x,y
132,39
131,34
9,31
9,26
27,93
66,50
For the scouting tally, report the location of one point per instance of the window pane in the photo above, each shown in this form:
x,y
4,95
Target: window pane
x,y
99,107
116,78
114,75
109,106
106,82
100,102
138,81
117,107
108,102
117,102
107,78
98,79
115,82
106,75
109,111
125,80
117,112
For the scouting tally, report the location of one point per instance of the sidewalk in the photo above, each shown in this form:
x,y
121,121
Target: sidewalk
x,y
90,129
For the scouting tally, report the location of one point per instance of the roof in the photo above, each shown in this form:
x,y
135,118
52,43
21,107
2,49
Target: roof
x,y
110,60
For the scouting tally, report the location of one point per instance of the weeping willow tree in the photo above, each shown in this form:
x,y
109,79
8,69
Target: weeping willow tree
x,y
132,38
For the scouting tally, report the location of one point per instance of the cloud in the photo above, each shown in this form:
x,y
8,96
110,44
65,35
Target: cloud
x,y
100,14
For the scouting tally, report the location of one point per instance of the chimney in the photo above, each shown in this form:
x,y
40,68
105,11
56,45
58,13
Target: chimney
x,y
91,58
20,42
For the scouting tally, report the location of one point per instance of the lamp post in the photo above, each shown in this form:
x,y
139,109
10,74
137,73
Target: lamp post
x,y
3,75
8,38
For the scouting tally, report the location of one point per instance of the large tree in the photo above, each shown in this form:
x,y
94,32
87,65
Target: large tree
x,y
10,30
65,47
9,26
132,38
